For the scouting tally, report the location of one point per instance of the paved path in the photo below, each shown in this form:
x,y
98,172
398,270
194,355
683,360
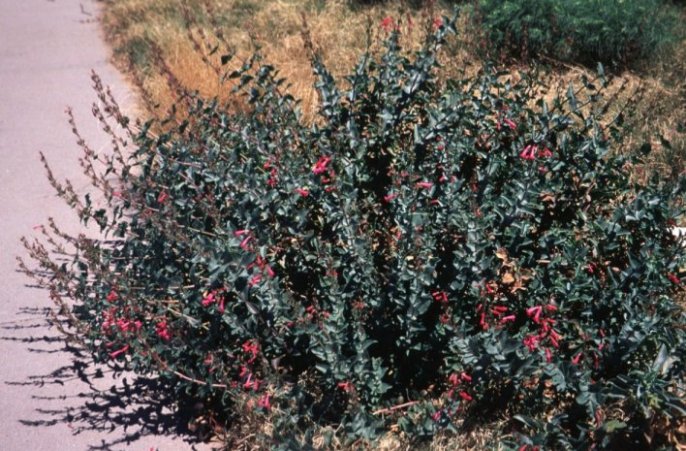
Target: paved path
x,y
47,50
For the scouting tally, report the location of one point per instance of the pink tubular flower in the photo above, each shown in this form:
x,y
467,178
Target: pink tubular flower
x,y
255,280
545,153
454,379
239,233
209,299
162,197
437,23
320,166
251,347
388,198
440,296
673,278
576,359
554,335
529,152
112,296
507,319
465,377
509,123
162,331
118,352
466,396
251,383
387,24
304,192
489,288
437,415
531,342
123,325
498,310
548,355
534,313
424,185
554,338
264,402
245,242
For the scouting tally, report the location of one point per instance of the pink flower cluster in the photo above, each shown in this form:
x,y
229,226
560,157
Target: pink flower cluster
x,y
546,331
162,197
251,350
387,24
533,151
455,381
162,330
440,297
320,167
263,266
509,123
112,296
304,192
265,402
111,323
247,239
215,296
326,172
497,312
273,179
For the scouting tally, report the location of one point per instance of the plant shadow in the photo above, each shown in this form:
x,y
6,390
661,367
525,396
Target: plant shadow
x,y
123,406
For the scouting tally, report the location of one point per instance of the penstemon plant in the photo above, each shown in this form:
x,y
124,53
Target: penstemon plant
x,y
423,254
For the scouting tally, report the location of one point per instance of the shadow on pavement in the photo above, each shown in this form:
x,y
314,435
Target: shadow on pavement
x,y
129,408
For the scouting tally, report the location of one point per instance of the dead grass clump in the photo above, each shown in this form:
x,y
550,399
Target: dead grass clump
x,y
339,32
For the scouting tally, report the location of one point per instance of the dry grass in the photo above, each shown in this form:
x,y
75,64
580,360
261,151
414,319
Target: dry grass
x,y
169,27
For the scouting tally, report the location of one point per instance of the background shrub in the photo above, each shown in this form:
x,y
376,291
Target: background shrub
x,y
616,32
426,256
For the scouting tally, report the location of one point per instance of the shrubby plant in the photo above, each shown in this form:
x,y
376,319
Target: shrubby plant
x,y
615,32
425,256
